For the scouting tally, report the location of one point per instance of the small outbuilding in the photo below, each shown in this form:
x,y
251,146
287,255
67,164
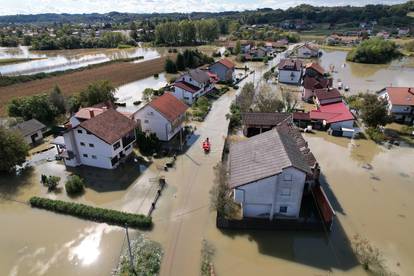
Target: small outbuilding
x,y
32,131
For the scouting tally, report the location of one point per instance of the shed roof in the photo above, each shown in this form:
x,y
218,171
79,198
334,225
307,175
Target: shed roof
x,y
328,94
29,127
227,63
264,118
186,86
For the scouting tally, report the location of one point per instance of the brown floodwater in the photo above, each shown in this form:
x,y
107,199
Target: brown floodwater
x,y
370,187
368,77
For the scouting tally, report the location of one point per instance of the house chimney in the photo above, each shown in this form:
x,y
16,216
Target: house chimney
x,y
91,113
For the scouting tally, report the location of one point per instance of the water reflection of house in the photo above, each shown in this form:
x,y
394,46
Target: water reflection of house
x,y
98,137
290,71
400,103
272,173
163,116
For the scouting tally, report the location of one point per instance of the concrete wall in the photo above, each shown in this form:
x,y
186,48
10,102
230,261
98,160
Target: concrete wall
x,y
153,122
39,137
264,198
293,77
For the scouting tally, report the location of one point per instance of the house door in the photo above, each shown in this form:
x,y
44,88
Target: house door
x,y
33,138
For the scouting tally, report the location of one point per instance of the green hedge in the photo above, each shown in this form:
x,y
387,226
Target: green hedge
x,y
92,213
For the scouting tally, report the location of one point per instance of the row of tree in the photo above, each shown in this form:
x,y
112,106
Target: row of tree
x,y
187,32
188,59
374,51
47,107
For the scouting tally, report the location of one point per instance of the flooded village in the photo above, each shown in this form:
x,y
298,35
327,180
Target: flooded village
x,y
236,157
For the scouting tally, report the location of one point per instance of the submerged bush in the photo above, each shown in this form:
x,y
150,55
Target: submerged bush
x,y
374,51
92,213
74,185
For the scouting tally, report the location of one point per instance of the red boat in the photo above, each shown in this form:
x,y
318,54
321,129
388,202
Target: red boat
x,y
206,146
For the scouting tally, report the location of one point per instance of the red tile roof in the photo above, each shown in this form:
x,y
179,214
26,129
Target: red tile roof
x,y
110,126
290,64
332,113
187,86
169,106
226,62
315,66
401,95
328,94
86,112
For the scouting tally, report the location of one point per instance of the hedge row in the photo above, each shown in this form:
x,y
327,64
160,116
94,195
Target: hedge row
x,y
92,213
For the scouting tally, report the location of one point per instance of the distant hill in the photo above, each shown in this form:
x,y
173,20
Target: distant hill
x,y
386,14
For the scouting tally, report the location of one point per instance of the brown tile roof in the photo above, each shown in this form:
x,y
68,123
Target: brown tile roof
x,y
169,106
186,86
110,126
401,95
328,94
263,156
226,62
315,66
314,83
290,64
87,112
264,118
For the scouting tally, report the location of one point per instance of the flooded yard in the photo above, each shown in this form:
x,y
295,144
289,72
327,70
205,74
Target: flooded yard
x,y
58,60
371,188
367,77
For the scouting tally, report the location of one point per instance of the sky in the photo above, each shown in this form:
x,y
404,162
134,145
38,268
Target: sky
x,y
9,7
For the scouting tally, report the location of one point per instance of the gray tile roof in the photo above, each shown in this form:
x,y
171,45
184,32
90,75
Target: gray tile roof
x,y
264,119
263,156
199,75
29,127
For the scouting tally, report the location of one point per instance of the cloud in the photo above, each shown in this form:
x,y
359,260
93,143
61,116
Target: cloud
x,y
161,6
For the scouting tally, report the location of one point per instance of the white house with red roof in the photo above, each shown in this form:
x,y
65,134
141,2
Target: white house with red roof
x,y
192,85
224,69
307,50
400,103
163,116
290,71
336,116
98,137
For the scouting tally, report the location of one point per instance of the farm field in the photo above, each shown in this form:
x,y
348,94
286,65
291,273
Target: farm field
x,y
71,83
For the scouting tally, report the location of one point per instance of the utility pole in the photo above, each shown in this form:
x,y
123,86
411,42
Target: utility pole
x,y
131,263
181,139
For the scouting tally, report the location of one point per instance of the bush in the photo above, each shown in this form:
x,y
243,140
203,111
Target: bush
x,y
375,134
170,66
148,144
374,51
51,182
96,214
74,185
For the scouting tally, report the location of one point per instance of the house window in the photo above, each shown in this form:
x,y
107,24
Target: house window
x,y
283,209
285,192
127,148
287,177
150,113
82,144
92,145
80,131
88,132
85,155
146,121
117,145
93,156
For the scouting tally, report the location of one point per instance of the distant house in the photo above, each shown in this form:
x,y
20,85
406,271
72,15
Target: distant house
x,y
403,32
290,71
400,103
314,78
269,173
192,85
163,116
224,69
383,34
98,137
307,50
258,122
31,130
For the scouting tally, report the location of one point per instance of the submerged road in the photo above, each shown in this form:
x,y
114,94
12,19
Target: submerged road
x,y
181,222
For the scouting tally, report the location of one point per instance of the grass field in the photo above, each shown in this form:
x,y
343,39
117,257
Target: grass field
x,y
71,83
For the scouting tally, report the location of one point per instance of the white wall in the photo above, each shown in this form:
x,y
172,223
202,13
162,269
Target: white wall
x,y
304,52
186,96
293,77
153,122
265,197
28,138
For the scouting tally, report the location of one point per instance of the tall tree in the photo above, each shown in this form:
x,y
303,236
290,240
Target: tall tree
x,y
97,92
13,150
58,100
